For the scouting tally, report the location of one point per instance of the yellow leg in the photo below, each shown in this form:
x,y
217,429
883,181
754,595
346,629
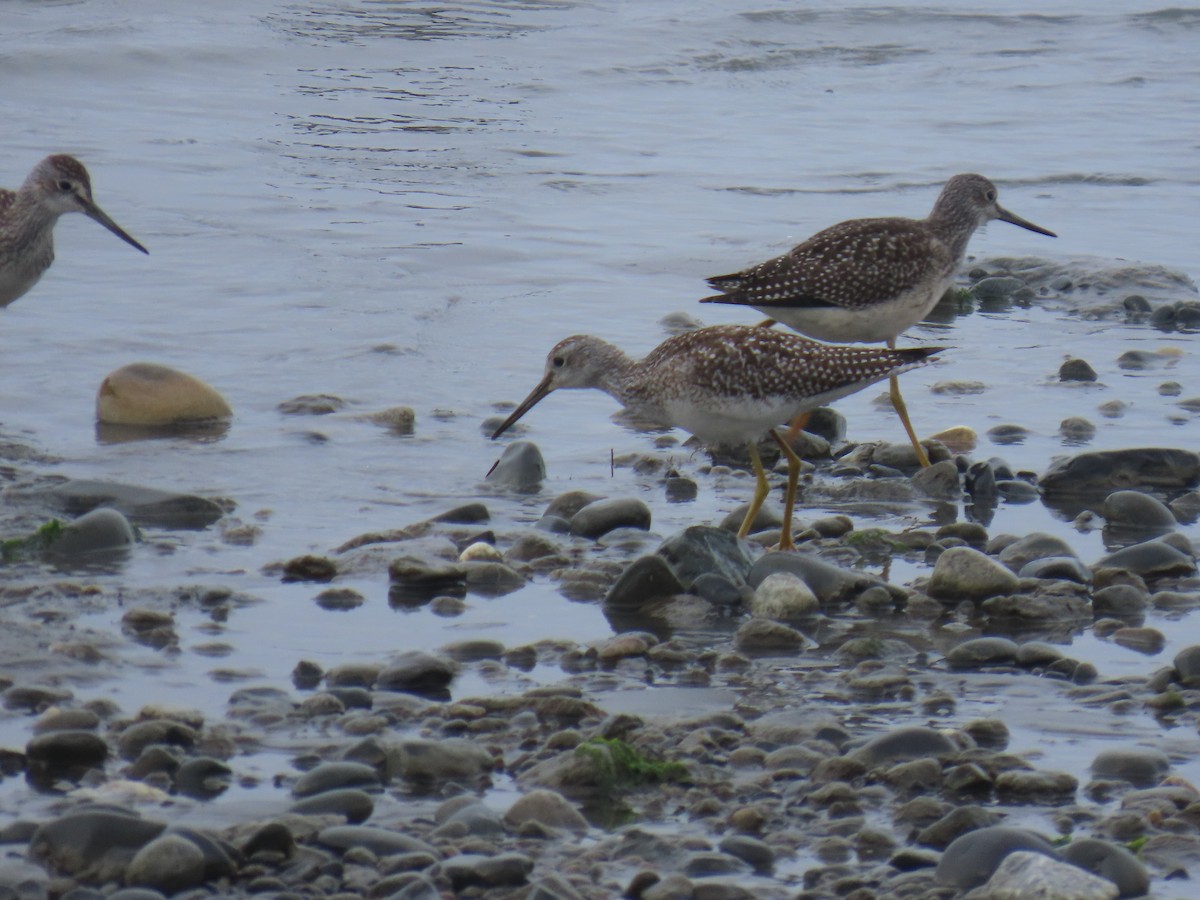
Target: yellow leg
x,y
793,482
761,489
796,426
902,412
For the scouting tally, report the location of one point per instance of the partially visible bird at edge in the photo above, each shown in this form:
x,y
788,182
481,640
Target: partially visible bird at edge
x,y
58,184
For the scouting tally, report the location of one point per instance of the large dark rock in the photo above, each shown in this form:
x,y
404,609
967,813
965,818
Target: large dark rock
x,y
141,505
1150,559
102,530
417,672
644,580
380,841
831,584
971,859
422,760
911,742
93,846
1107,470
702,550
1110,861
599,518
335,776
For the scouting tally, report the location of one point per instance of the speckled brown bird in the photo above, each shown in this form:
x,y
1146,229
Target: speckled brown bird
x,y
726,384
58,184
868,280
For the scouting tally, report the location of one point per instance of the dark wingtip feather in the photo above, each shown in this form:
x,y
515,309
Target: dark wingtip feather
x,y
730,282
919,354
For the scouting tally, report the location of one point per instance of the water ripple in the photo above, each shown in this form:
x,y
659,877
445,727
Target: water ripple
x,y
414,22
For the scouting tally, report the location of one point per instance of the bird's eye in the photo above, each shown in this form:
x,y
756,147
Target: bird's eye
x,y
64,186
991,196
558,362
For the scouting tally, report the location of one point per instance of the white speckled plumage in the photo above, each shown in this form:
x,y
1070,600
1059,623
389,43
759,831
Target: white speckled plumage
x,y
58,184
868,280
726,384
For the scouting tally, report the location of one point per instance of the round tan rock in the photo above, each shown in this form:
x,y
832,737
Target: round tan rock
x,y
963,573
958,439
150,394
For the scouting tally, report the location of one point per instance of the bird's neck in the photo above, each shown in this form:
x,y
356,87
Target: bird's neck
x,y
615,372
954,226
29,222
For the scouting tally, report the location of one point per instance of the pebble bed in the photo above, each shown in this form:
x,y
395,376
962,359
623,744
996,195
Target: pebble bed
x,y
840,767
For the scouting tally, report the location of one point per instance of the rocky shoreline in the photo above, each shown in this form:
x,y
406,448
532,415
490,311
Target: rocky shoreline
x,y
858,738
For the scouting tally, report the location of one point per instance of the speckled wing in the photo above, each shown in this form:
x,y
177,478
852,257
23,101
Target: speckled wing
x,y
750,363
852,265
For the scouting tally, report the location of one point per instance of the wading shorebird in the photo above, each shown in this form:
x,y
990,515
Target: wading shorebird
x,y
58,184
868,280
726,384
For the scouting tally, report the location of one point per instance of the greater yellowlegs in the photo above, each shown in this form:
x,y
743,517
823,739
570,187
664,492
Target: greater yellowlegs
x,y
726,384
868,280
58,184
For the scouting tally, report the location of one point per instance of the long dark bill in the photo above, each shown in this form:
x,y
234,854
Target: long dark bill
x,y
1014,219
96,214
535,396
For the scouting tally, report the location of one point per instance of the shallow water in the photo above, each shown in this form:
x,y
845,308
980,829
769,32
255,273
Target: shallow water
x,y
407,204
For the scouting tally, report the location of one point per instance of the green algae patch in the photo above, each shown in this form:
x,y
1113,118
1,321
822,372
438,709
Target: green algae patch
x,y
620,765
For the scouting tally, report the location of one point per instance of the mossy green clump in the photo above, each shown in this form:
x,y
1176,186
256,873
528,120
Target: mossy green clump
x,y
14,548
625,765
1171,699
875,538
864,648
1135,846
